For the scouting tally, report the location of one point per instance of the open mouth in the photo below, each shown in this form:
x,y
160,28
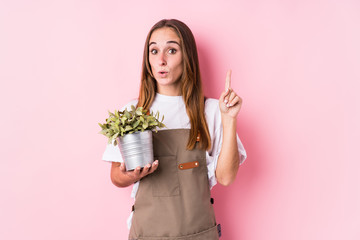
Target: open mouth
x,y
163,73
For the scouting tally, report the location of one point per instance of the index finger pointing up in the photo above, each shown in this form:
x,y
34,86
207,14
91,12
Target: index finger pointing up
x,y
228,80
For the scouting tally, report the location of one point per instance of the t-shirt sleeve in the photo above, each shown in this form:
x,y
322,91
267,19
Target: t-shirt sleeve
x,y
112,153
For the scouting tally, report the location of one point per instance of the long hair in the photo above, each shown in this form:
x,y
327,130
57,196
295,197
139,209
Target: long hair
x,y
191,89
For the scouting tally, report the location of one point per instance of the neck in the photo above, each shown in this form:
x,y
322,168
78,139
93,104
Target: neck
x,y
169,90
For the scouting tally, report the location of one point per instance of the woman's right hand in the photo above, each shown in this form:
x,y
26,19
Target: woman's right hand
x,y
122,178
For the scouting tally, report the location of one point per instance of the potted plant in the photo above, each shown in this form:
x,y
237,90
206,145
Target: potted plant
x,y
132,132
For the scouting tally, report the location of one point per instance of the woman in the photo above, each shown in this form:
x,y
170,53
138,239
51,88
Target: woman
x,y
199,148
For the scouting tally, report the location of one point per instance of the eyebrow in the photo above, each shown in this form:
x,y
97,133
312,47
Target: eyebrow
x,y
166,42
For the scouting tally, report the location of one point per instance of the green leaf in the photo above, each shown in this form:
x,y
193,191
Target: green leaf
x,y
127,114
111,114
112,119
116,135
123,120
128,128
102,126
104,131
153,124
139,112
135,124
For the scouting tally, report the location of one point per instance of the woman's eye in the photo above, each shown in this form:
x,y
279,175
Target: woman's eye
x,y
172,51
154,51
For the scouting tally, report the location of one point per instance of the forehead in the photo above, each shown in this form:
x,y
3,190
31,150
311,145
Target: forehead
x,y
163,35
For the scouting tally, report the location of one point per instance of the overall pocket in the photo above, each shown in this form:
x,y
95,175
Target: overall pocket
x,y
165,180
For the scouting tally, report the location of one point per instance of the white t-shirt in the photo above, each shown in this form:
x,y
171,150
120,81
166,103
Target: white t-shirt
x,y
175,117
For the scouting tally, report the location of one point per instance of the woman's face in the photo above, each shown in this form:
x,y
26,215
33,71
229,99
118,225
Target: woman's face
x,y
165,58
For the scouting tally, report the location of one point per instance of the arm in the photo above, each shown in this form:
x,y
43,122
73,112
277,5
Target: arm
x,y
228,161
121,178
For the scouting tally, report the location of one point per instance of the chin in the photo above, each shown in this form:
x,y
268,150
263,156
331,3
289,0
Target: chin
x,y
164,81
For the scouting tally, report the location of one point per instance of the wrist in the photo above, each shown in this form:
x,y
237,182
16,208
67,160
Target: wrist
x,y
228,120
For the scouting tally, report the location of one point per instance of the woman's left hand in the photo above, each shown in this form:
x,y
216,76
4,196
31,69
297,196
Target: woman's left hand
x,y
229,101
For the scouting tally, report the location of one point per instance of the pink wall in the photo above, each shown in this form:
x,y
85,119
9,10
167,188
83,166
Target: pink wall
x,y
63,64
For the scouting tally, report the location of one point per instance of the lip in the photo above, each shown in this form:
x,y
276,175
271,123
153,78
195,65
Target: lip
x,y
163,73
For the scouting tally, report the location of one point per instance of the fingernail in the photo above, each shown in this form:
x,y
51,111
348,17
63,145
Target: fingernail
x,y
231,104
225,101
156,162
227,105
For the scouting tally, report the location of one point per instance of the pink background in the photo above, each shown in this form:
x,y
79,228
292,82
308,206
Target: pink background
x,y
63,64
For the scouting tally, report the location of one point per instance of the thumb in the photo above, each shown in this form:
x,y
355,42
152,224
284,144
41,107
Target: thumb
x,y
122,167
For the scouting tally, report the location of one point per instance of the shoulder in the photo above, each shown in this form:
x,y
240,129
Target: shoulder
x,y
211,101
212,114
128,105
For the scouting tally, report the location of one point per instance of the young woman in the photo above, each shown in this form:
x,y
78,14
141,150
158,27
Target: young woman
x,y
199,148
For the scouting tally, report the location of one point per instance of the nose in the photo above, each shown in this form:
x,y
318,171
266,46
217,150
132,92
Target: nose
x,y
162,59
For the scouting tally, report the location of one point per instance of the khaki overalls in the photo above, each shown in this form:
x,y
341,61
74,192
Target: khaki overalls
x,y
174,201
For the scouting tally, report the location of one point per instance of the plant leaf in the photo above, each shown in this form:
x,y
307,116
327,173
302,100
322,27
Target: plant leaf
x,y
135,124
127,114
128,128
138,112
